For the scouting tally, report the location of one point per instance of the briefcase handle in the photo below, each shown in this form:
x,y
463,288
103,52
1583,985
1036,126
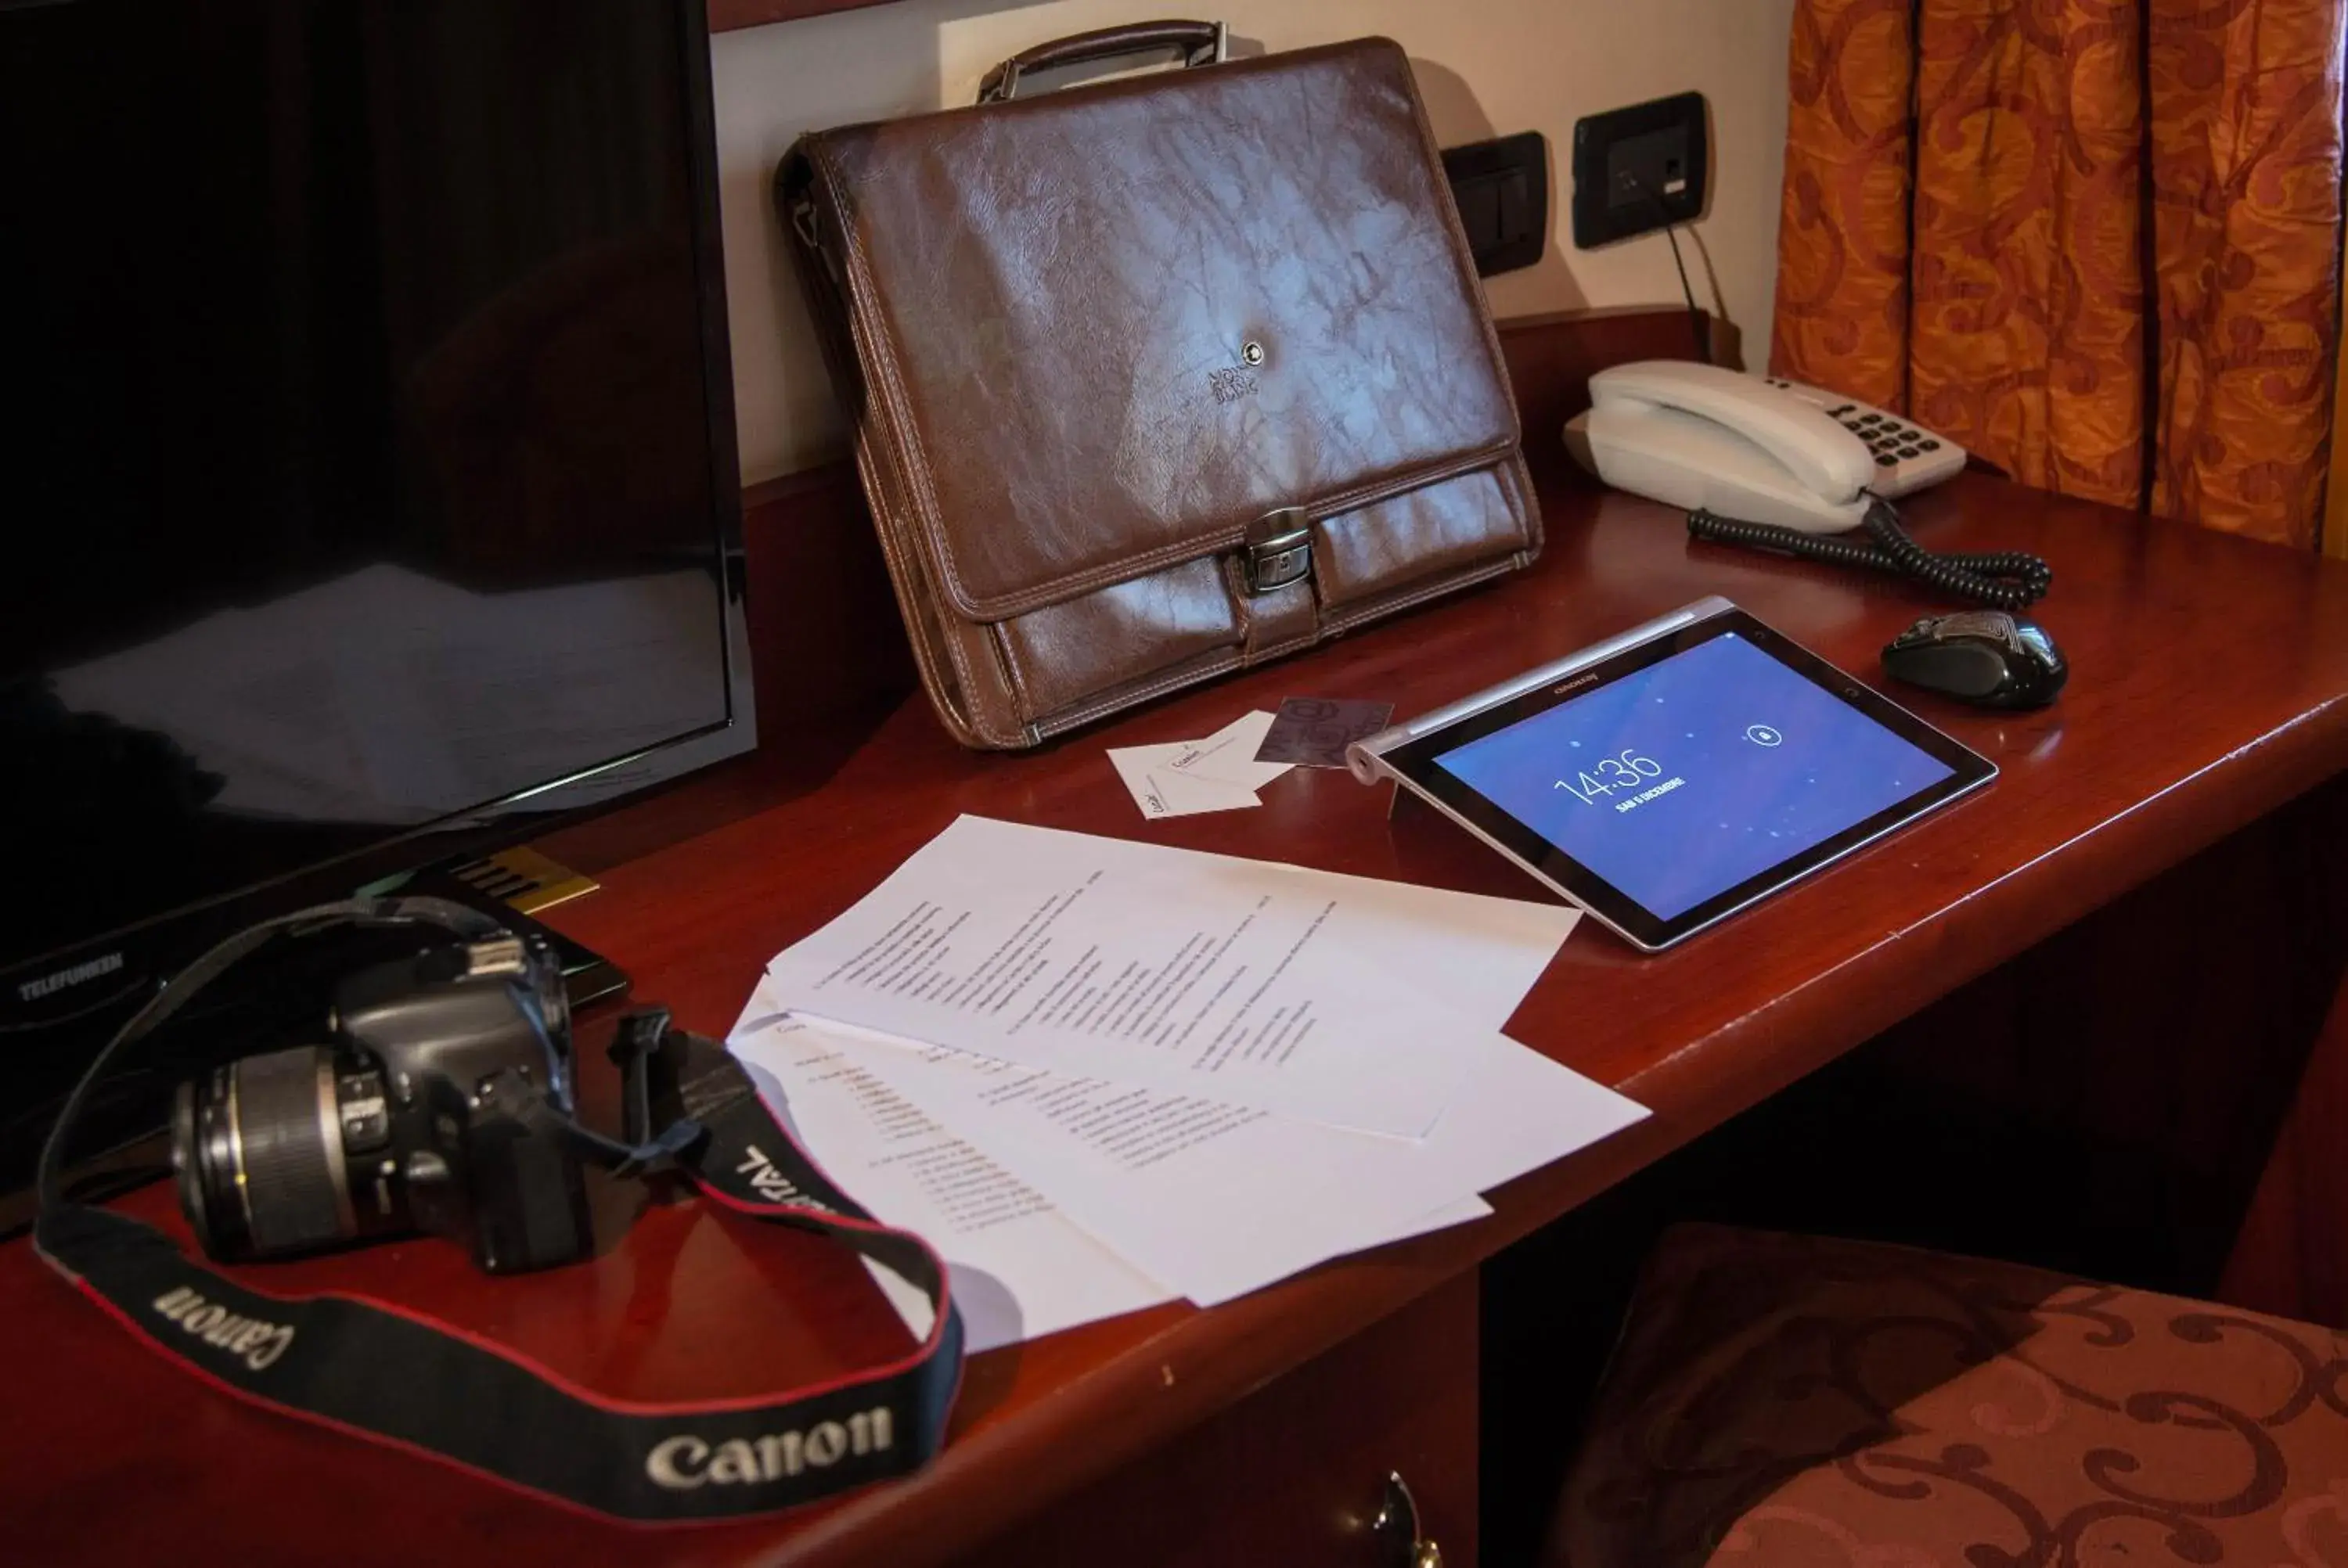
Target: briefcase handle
x,y
1199,43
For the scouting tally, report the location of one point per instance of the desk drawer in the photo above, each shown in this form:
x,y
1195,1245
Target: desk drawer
x,y
1292,1474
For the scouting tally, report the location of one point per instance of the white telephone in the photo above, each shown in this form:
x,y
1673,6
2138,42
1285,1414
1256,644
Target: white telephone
x,y
1750,447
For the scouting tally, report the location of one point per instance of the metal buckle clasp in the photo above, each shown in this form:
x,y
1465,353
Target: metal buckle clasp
x,y
1277,550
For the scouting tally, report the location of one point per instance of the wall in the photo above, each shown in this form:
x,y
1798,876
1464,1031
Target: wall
x,y
1485,67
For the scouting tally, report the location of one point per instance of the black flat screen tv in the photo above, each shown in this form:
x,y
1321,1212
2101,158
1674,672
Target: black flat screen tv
x,y
367,487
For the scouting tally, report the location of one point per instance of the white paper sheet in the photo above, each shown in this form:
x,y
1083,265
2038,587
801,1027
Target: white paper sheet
x,y
1253,983
1020,1268
1041,1271
1218,1200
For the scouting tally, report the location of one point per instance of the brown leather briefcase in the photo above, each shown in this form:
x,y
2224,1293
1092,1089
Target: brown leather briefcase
x,y
1160,377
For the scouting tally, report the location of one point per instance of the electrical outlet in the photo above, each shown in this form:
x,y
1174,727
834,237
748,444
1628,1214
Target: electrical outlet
x,y
1639,168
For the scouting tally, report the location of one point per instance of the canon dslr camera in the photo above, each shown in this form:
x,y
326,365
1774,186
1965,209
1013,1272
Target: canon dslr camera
x,y
442,1101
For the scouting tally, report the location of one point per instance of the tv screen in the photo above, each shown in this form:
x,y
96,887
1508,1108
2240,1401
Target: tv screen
x,y
368,474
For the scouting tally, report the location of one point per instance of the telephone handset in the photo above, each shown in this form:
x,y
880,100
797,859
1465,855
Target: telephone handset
x,y
1771,463
1764,450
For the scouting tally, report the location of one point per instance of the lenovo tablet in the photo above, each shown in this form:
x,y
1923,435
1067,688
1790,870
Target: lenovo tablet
x,y
1668,777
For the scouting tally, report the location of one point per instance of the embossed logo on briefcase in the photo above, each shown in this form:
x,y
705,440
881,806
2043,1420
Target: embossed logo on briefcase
x,y
1231,383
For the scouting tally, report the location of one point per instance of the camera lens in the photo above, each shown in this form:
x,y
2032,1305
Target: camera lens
x,y
265,1149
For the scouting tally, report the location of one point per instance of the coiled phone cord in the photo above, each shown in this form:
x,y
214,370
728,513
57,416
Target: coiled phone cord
x,y
2005,579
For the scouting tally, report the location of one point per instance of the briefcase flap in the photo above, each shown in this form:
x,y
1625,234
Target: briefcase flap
x,y
1117,330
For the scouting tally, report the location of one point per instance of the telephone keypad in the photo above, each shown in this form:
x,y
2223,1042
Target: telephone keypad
x,y
1887,440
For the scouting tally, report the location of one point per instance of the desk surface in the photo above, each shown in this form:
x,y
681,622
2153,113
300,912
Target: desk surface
x,y
2210,685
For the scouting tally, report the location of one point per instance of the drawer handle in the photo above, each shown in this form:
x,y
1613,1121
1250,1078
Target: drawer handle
x,y
1395,1530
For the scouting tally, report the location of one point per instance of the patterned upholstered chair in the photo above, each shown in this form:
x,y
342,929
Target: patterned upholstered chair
x,y
1787,1402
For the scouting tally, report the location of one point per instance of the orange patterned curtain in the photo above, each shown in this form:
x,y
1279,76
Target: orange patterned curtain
x,y
2095,240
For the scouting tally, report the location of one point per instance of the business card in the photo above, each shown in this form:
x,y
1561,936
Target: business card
x,y
1313,731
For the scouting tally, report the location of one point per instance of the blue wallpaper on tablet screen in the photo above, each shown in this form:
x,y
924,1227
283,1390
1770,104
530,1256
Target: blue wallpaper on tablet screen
x,y
1682,780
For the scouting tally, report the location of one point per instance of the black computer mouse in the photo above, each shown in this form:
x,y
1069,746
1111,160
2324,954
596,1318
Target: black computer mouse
x,y
1985,657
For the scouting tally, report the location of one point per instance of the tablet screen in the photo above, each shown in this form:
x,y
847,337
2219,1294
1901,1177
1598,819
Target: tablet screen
x,y
1692,776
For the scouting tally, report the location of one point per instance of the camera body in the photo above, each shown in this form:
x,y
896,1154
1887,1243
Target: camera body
x,y
440,1103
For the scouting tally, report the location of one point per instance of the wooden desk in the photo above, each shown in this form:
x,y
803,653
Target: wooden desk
x,y
2210,687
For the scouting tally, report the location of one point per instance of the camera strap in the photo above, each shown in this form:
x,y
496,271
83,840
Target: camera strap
x,y
392,1376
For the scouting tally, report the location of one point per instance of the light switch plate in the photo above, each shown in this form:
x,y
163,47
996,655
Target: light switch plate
x,y
1638,168
1501,188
